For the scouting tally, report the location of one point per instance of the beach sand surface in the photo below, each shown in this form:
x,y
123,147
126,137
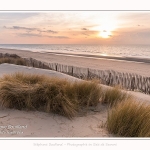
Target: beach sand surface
x,y
139,68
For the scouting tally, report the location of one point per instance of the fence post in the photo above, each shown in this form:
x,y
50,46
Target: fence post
x,y
72,71
88,73
56,67
132,83
109,79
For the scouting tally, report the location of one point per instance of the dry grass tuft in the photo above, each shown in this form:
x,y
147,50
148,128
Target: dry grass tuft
x,y
114,95
39,92
11,60
87,93
129,119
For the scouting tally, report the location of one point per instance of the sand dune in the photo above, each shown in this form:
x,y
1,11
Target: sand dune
x,y
15,123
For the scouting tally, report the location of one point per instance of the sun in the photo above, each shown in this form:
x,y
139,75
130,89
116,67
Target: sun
x,y
105,34
106,28
106,25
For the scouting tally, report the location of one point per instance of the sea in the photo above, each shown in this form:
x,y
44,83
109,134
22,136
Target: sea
x,y
138,51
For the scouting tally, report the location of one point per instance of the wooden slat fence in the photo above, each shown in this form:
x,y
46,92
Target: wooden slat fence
x,y
128,81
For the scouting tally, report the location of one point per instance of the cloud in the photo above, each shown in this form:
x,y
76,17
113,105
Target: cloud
x,y
50,31
84,29
86,34
59,37
40,35
29,34
24,28
30,29
20,28
89,32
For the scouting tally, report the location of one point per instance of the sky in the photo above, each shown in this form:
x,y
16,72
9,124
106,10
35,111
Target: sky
x,y
75,27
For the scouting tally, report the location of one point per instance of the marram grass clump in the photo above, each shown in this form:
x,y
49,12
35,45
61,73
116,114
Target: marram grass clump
x,y
129,118
39,92
112,96
87,93
11,60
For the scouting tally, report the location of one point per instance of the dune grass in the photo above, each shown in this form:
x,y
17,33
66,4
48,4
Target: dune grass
x,y
11,60
129,118
112,96
87,93
39,92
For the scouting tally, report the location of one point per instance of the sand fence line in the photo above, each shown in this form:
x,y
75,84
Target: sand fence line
x,y
127,81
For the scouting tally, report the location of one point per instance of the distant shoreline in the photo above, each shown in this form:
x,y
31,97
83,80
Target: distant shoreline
x,y
135,59
132,59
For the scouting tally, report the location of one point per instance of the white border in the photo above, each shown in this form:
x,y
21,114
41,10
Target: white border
x,y
74,5
32,5
46,144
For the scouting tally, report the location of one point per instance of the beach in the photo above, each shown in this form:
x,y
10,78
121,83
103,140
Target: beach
x,y
125,65
16,123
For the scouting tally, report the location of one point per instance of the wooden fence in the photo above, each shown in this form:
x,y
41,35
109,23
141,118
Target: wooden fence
x,y
128,81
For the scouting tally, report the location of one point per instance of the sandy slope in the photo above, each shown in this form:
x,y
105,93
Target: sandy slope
x,y
15,123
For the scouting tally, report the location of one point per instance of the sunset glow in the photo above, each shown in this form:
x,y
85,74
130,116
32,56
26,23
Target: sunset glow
x,y
107,27
105,34
79,27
